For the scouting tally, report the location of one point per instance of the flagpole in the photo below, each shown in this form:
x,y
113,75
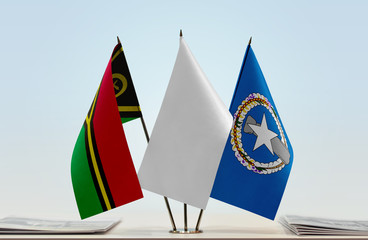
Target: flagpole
x,y
185,218
199,220
185,205
165,198
145,128
170,213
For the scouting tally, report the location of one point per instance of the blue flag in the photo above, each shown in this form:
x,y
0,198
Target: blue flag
x,y
257,158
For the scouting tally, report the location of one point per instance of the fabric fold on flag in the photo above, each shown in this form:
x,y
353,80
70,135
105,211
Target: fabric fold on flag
x,y
102,170
188,137
258,156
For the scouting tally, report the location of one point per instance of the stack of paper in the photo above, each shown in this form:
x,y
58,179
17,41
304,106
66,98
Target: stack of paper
x,y
322,226
42,226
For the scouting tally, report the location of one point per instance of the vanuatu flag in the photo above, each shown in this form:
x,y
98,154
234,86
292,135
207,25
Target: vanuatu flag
x,y
102,170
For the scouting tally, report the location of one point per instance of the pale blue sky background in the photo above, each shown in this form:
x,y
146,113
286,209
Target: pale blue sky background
x,y
313,55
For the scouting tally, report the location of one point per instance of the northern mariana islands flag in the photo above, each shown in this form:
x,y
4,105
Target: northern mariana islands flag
x,y
257,158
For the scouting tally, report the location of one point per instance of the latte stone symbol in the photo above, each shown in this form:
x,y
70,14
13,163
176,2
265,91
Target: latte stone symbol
x,y
266,137
120,84
275,143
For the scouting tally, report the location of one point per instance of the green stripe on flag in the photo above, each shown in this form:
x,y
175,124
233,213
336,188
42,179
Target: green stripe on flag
x,y
127,119
83,185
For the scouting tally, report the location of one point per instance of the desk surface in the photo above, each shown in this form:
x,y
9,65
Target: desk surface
x,y
213,226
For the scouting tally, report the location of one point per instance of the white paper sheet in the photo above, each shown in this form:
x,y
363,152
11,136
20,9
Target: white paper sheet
x,y
43,226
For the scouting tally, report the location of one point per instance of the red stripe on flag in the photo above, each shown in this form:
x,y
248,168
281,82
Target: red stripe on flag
x,y
112,145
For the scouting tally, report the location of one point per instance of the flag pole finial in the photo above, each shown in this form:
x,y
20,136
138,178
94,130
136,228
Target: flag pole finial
x,y
250,41
181,33
118,39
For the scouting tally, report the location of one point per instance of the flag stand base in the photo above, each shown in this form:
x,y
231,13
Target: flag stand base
x,y
182,231
186,230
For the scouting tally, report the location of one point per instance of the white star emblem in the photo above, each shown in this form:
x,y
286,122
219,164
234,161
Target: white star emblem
x,y
264,135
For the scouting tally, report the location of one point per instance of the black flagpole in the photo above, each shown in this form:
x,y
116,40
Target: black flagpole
x,y
165,198
199,220
185,205
185,218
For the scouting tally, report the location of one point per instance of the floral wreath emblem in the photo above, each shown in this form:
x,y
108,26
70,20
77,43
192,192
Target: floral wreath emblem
x,y
253,100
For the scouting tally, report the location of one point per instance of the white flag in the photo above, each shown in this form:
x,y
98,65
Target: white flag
x,y
188,138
